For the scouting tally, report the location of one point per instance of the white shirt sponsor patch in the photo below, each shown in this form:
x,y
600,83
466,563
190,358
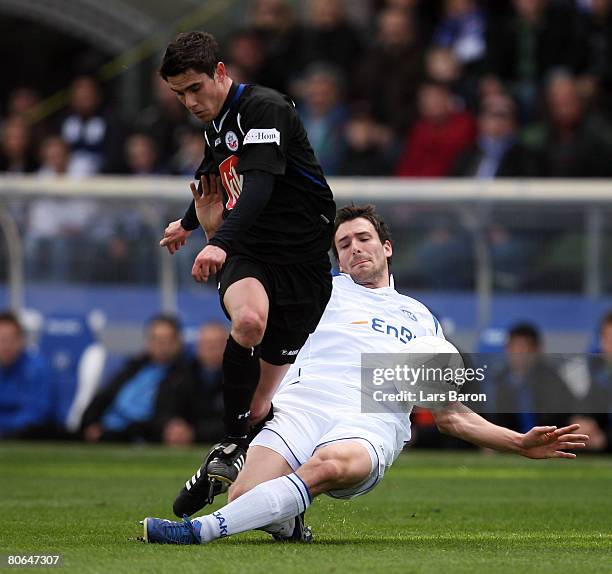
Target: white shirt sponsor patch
x,y
270,135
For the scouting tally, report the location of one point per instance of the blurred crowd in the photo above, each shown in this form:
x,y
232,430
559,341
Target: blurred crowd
x,y
528,386
421,88
171,392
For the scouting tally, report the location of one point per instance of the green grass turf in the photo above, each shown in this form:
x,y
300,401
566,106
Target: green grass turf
x,y
433,512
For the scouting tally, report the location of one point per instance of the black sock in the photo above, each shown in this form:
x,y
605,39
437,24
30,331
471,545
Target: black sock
x,y
240,377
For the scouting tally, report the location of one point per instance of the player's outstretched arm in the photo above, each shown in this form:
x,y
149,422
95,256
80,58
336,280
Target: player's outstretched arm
x,y
540,442
552,442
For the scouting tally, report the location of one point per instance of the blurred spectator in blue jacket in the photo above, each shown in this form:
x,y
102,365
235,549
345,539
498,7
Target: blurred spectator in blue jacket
x,y
141,399
26,384
324,115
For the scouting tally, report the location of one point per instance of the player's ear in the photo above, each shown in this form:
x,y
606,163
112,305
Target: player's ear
x,y
220,72
388,248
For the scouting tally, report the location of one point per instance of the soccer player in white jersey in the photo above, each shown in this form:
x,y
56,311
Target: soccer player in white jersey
x,y
319,441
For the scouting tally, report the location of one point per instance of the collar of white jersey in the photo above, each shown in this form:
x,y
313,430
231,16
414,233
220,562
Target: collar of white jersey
x,y
379,290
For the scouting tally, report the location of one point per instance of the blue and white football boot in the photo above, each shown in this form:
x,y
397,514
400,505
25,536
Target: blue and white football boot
x,y
162,531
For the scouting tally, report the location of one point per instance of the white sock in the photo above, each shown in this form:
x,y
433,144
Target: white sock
x,y
271,502
283,529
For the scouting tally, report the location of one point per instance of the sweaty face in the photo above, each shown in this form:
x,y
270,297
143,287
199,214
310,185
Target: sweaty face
x,y
361,253
199,93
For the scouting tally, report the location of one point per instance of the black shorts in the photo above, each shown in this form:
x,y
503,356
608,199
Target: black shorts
x,y
297,295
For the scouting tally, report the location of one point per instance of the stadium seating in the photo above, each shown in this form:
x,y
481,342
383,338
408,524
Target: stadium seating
x,y
77,358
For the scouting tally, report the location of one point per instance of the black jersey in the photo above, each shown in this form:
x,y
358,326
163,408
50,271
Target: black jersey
x,y
260,129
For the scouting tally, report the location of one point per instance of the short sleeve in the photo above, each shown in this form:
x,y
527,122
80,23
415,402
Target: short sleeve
x,y
266,126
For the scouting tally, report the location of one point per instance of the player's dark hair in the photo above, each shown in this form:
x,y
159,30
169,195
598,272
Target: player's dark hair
x,y
11,318
527,331
165,319
198,51
352,211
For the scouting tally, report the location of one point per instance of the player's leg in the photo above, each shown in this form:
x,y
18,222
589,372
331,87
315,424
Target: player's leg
x,y
246,302
337,466
300,294
278,450
263,464
198,490
269,379
244,297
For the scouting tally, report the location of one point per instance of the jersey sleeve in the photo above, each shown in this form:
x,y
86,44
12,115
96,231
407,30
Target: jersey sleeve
x,y
267,130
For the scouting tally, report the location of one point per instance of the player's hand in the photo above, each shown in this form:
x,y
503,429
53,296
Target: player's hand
x,y
551,442
208,262
175,236
209,205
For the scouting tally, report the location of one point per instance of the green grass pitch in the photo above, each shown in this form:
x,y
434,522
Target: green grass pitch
x,y
433,512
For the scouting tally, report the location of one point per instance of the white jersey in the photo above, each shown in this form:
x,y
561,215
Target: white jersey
x,y
360,320
320,399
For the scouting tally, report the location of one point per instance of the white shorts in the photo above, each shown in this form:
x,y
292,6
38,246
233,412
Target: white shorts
x,y
305,419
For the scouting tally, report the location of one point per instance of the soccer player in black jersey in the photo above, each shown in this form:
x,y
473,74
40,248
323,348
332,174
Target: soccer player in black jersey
x,y
268,214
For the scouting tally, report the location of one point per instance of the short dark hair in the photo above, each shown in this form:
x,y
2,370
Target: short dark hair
x,y
352,211
198,51
526,330
166,319
11,318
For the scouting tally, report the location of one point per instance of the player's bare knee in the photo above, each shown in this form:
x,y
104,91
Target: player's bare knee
x,y
248,328
325,470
